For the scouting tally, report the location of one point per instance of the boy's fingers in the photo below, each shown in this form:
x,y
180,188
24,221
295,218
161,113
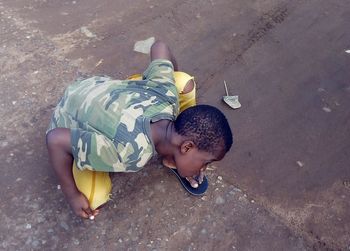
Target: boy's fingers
x,y
83,214
192,181
201,176
88,211
95,212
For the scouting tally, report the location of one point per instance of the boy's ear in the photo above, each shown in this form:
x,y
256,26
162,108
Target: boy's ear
x,y
187,146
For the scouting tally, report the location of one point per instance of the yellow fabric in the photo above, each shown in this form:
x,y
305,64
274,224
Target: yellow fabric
x,y
97,186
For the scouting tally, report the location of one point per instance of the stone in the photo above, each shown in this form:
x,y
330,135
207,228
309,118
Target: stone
x,y
327,109
300,164
64,225
87,32
76,242
219,200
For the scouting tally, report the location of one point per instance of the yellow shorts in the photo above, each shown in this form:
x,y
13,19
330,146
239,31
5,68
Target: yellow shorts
x,y
97,186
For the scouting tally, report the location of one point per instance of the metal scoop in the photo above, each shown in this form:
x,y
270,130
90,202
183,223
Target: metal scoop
x,y
232,101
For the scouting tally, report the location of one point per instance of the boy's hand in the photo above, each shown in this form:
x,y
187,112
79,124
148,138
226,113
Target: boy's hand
x,y
80,206
60,152
195,181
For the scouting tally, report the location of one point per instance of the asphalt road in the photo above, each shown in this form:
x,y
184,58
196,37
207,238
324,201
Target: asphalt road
x,y
284,186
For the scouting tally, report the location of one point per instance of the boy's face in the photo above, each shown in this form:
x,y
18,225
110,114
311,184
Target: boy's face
x,y
189,161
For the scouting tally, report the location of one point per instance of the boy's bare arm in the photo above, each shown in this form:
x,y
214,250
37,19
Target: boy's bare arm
x,y
59,147
160,50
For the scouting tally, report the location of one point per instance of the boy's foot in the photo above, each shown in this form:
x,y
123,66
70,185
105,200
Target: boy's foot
x,y
192,186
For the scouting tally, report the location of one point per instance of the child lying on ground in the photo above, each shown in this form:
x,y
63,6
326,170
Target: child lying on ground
x,y
103,125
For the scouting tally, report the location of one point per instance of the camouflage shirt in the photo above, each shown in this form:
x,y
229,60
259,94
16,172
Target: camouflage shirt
x,y
110,119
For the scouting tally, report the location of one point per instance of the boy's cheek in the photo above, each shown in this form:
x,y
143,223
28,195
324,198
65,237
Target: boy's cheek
x,y
182,173
187,172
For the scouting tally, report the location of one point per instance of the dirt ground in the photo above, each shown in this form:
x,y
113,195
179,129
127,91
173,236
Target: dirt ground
x,y
285,185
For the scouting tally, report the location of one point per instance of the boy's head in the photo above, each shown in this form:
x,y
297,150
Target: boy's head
x,y
207,137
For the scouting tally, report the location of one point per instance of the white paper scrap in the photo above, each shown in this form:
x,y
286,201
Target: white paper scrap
x,y
144,46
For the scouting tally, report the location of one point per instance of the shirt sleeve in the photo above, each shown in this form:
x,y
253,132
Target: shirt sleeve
x,y
160,71
95,151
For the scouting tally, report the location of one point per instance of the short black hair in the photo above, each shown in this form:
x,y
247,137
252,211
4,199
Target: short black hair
x,y
207,127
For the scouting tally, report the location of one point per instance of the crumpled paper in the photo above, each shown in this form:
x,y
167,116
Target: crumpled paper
x,y
144,46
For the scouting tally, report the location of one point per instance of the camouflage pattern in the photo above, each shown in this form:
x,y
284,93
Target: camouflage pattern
x,y
110,119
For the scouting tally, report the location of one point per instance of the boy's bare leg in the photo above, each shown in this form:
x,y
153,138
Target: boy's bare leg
x,y
60,153
160,50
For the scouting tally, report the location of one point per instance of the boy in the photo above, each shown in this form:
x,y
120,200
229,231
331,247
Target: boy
x,y
110,125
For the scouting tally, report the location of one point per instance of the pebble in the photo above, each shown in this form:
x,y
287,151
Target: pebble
x,y
87,32
237,189
347,51
91,217
301,164
40,219
219,200
76,242
35,243
327,109
219,177
28,226
58,187
64,225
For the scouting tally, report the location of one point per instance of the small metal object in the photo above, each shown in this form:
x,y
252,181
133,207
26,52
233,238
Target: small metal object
x,y
232,101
